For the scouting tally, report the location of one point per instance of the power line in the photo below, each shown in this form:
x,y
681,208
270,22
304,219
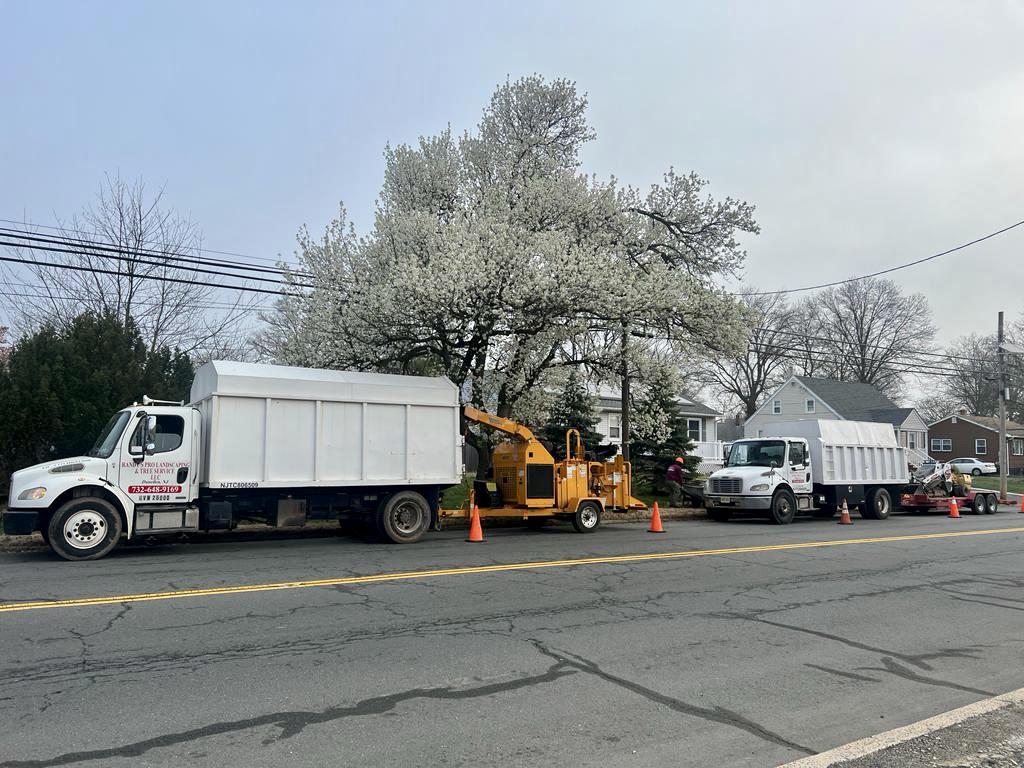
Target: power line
x,y
889,368
919,353
95,245
84,232
125,255
884,271
160,278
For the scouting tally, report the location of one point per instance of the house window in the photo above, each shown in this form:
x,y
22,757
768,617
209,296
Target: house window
x,y
1018,447
615,426
912,440
809,406
942,445
776,406
981,446
693,429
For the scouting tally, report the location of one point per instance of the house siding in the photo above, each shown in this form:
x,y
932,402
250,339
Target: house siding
x,y
608,417
962,436
793,396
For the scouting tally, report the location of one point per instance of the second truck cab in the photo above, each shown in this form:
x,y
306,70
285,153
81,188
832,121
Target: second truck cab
x,y
762,476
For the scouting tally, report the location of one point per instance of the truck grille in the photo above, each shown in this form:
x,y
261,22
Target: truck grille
x,y
725,485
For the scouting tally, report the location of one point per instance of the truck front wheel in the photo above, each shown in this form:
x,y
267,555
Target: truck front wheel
x,y
84,529
404,517
879,504
783,508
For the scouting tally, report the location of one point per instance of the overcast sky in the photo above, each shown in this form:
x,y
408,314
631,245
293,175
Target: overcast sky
x,y
867,134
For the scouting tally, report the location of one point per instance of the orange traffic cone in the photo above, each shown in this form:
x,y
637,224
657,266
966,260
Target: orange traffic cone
x,y
954,509
476,532
656,526
1022,504
844,516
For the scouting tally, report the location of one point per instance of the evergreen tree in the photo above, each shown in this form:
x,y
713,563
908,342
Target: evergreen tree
x,y
59,387
660,433
572,409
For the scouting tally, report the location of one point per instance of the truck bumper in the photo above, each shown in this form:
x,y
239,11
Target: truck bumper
x,y
20,522
739,503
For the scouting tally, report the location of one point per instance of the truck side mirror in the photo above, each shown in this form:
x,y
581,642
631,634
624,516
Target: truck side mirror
x,y
148,437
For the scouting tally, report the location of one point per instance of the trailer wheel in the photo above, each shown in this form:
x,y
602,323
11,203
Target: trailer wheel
x,y
980,504
783,508
84,529
587,517
878,505
404,517
993,503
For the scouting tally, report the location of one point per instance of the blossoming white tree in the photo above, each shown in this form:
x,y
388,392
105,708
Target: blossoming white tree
x,y
495,261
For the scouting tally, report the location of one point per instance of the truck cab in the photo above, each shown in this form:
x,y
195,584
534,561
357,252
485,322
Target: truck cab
x,y
769,477
140,475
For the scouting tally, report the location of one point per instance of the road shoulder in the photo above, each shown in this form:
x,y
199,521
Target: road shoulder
x,y
985,733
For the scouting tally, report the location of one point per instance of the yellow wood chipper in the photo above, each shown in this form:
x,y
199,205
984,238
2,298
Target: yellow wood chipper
x,y
528,482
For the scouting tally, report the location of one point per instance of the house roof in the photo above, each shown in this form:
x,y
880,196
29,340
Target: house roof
x,y
856,401
986,422
612,401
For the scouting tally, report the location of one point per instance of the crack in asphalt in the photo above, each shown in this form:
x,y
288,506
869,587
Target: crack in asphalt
x,y
918,660
841,673
889,665
292,723
713,714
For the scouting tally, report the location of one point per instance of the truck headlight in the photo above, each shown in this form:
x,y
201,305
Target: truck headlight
x,y
31,494
759,487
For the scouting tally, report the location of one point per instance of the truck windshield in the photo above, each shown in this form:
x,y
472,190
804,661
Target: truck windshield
x,y
760,453
111,433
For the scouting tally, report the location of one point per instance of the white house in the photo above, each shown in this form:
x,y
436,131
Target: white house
x,y
803,397
701,423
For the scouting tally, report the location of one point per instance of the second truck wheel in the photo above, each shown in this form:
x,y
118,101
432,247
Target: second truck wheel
x,y
404,517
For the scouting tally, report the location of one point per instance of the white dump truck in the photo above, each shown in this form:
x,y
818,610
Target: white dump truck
x,y
262,442
810,466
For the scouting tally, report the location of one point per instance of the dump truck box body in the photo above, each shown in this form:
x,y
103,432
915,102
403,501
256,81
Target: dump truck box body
x,y
849,452
268,426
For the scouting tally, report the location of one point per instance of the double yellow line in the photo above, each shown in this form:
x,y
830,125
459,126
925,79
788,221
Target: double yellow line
x,y
432,574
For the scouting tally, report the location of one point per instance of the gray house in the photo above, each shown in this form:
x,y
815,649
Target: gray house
x,y
803,397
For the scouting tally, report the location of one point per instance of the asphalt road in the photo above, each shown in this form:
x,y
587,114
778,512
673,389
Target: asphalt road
x,y
724,658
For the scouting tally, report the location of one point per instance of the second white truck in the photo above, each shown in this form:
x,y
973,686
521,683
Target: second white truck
x,y
810,466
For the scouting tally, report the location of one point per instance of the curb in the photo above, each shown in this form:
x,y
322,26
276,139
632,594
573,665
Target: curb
x,y
872,744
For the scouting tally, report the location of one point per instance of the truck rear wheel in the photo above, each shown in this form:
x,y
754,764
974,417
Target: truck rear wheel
x,y
783,508
404,517
878,505
587,517
84,529
993,503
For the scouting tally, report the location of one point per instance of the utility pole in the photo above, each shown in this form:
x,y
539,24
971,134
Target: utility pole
x,y
625,390
1004,459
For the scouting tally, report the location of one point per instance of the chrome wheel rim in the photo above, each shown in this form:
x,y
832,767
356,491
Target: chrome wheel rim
x,y
85,529
407,517
588,517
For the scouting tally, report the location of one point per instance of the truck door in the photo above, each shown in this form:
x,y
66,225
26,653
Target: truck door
x,y
799,471
157,458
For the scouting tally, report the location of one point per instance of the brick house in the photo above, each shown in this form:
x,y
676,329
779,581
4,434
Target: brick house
x,y
967,435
